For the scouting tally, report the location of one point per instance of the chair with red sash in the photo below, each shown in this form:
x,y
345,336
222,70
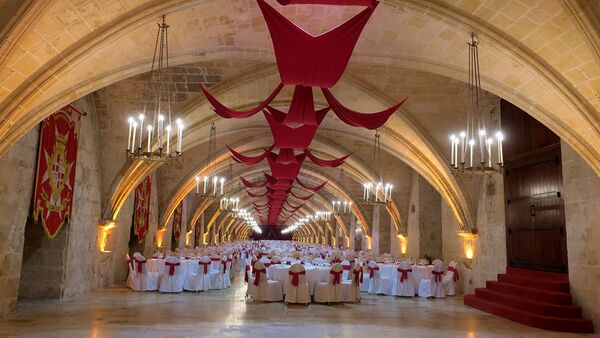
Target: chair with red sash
x,y
403,285
215,259
433,287
378,284
172,277
130,271
451,278
143,280
275,260
296,287
331,291
364,286
200,280
351,287
347,272
260,288
219,279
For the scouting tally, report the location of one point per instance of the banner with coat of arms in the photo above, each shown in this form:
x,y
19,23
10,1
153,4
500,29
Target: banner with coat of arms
x,y
55,176
177,216
141,209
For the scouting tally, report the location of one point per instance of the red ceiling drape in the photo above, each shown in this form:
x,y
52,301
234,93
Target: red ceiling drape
x,y
370,3
317,188
289,137
249,160
228,113
304,198
313,61
326,163
251,185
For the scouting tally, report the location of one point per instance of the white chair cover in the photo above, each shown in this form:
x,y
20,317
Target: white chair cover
x,y
172,278
403,284
433,287
351,287
262,289
364,286
451,278
130,271
143,280
201,280
347,274
297,293
378,284
331,292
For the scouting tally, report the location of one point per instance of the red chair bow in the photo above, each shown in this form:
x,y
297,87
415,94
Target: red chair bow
x,y
337,276
246,273
139,264
267,265
346,267
404,273
215,259
224,263
172,267
205,264
358,276
437,275
455,270
128,262
296,277
372,271
257,273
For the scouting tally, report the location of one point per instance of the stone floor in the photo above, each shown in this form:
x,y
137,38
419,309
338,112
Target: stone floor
x,y
118,312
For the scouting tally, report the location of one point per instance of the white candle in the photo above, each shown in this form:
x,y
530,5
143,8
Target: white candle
x,y
129,135
452,142
168,139
456,154
471,144
222,182
500,138
161,120
463,147
179,134
141,117
489,150
133,138
215,179
149,138
205,184
197,185
481,145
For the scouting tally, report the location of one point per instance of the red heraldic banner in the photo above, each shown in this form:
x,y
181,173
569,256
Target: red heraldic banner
x,y
141,211
177,215
55,178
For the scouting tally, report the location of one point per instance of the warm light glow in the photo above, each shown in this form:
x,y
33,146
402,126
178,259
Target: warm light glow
x,y
369,242
403,243
347,241
160,235
469,249
188,236
102,238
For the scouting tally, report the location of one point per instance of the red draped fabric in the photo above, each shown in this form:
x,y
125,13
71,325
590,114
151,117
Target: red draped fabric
x,y
316,188
286,156
326,163
350,117
260,206
227,113
285,171
256,195
304,198
289,137
315,61
295,207
370,3
251,185
249,160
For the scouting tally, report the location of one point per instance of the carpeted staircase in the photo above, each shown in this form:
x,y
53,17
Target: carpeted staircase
x,y
535,298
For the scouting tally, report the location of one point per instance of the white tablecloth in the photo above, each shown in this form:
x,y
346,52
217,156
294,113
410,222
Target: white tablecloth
x,y
187,267
314,274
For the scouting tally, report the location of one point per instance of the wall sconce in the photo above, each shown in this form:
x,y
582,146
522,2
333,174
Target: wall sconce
x,y
469,247
188,235
403,243
369,241
160,235
204,238
347,241
104,231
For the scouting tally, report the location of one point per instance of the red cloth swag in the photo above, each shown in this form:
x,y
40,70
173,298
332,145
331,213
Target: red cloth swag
x,y
304,198
206,265
296,277
350,117
455,270
227,113
312,61
251,185
358,276
370,3
249,160
256,195
288,137
372,271
346,267
437,275
337,276
215,259
307,187
326,163
257,273
139,264
404,273
224,264
172,267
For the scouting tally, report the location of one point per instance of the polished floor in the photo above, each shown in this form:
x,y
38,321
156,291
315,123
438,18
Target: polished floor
x,y
118,312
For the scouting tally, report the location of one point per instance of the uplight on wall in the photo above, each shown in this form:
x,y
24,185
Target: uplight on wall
x,y
347,241
188,236
469,238
369,242
160,235
403,243
469,249
104,231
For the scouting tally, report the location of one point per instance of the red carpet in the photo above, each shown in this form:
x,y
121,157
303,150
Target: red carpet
x,y
534,298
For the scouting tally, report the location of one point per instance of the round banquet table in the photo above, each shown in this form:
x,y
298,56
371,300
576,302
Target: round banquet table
x,y
314,274
188,266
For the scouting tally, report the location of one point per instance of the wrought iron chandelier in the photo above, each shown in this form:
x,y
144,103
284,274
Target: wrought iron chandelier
x,y
472,150
377,192
341,207
159,130
211,186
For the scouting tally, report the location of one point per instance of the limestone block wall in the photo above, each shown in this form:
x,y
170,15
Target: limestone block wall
x,y
424,223
17,171
581,188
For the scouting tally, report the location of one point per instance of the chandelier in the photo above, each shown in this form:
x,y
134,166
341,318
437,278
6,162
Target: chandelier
x,y
377,192
322,215
472,149
158,131
296,225
341,207
211,186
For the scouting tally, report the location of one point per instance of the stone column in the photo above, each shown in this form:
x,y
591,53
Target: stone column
x,y
352,231
202,231
375,230
385,221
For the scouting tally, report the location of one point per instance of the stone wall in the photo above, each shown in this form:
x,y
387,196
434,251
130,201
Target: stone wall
x,y
424,222
581,187
17,172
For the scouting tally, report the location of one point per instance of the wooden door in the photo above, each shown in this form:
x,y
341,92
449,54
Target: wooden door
x,y
535,217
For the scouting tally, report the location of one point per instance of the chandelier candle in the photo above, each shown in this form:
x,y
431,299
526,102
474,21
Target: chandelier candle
x,y
149,138
133,137
179,135
169,139
205,184
141,118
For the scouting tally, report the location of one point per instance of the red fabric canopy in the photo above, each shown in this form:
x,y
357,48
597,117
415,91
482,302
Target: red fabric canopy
x,y
260,206
251,185
285,171
227,113
317,188
289,137
304,198
350,117
326,163
370,3
314,61
256,195
249,160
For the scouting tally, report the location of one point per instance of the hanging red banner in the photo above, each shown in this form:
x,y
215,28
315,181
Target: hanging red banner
x,y
141,216
198,232
177,216
55,177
